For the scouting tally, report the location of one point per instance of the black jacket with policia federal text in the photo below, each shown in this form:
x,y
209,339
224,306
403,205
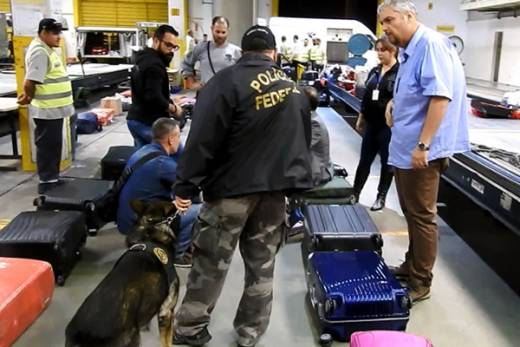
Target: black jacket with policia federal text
x,y
250,134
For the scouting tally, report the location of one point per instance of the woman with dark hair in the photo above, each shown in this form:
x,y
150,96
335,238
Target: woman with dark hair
x,y
371,120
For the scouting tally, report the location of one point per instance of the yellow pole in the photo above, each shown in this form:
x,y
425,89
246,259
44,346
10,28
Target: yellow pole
x,y
20,43
77,18
379,30
274,8
186,9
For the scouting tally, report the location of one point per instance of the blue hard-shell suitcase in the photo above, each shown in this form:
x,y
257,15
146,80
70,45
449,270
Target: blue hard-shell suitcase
x,y
339,228
355,291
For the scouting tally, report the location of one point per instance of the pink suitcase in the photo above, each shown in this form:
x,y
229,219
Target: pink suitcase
x,y
387,339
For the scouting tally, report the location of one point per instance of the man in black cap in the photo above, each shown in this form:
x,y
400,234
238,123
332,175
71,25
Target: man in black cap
x,y
48,90
247,148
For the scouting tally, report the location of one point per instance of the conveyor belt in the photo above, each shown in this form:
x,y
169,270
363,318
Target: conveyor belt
x,y
488,185
344,96
492,183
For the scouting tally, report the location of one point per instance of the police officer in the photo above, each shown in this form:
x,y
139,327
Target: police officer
x,y
239,153
48,90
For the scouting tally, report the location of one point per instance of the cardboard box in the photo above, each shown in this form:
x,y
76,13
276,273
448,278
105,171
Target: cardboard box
x,y
113,103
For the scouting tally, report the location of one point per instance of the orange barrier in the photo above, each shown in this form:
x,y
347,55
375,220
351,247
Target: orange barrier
x,y
26,288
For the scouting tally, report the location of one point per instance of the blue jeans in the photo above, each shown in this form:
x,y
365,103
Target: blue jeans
x,y
186,227
141,132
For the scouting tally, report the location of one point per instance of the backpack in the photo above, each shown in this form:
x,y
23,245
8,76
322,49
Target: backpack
x,y
110,203
87,123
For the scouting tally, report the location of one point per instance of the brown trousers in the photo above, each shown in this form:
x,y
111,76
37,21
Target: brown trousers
x,y
418,191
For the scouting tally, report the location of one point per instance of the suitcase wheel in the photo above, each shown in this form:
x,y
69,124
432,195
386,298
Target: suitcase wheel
x,y
377,239
406,302
90,206
60,280
330,305
326,340
39,201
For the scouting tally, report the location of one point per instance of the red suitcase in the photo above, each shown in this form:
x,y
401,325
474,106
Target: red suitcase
x,y
26,288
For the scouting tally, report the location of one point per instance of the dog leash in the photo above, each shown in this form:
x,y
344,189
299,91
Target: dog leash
x,y
169,220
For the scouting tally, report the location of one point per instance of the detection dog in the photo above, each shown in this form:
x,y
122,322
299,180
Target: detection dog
x,y
142,284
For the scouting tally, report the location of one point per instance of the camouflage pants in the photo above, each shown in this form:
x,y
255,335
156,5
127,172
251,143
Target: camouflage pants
x,y
254,221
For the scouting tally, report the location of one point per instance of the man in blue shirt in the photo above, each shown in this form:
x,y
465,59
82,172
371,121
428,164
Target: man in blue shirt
x,y
429,119
153,181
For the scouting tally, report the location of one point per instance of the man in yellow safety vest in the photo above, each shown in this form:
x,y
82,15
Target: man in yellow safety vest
x,y
317,56
301,53
48,92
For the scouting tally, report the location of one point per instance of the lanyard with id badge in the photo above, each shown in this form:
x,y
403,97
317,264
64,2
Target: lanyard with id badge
x,y
375,92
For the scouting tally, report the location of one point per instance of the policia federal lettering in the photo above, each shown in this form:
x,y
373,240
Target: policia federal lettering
x,y
271,98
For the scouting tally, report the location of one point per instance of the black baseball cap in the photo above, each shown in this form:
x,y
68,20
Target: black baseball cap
x,y
50,24
258,38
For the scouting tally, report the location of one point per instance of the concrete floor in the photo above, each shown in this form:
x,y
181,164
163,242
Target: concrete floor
x,y
470,304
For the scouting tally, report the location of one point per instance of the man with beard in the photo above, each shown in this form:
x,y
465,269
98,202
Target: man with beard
x,y
150,86
212,56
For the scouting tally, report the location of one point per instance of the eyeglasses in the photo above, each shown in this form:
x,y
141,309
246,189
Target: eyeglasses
x,y
171,46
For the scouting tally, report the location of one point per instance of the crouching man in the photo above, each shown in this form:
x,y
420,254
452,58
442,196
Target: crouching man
x,y
153,180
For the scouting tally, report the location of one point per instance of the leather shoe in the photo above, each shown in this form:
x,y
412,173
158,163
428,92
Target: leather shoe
x,y
379,204
419,293
400,271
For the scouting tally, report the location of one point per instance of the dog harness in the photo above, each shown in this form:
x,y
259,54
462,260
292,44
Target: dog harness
x,y
157,252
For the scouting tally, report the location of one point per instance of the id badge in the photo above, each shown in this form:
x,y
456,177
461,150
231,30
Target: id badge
x,y
375,95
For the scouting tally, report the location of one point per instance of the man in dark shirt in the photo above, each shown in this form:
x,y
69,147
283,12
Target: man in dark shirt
x,y
150,86
154,179
248,146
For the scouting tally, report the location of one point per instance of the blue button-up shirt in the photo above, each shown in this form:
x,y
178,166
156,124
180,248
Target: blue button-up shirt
x,y
430,66
151,182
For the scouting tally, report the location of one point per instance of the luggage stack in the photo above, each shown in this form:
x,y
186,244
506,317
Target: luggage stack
x,y
349,286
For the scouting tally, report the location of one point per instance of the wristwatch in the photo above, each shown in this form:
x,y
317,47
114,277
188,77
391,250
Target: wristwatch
x,y
423,147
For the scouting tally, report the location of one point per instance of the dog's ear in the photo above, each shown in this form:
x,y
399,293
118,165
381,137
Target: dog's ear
x,y
169,209
139,206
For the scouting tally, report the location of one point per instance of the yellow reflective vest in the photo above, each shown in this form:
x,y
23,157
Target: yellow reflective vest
x,y
317,55
56,89
301,54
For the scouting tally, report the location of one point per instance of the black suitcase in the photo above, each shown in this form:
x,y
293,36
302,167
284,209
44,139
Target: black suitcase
x,y
114,162
77,194
339,228
52,236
